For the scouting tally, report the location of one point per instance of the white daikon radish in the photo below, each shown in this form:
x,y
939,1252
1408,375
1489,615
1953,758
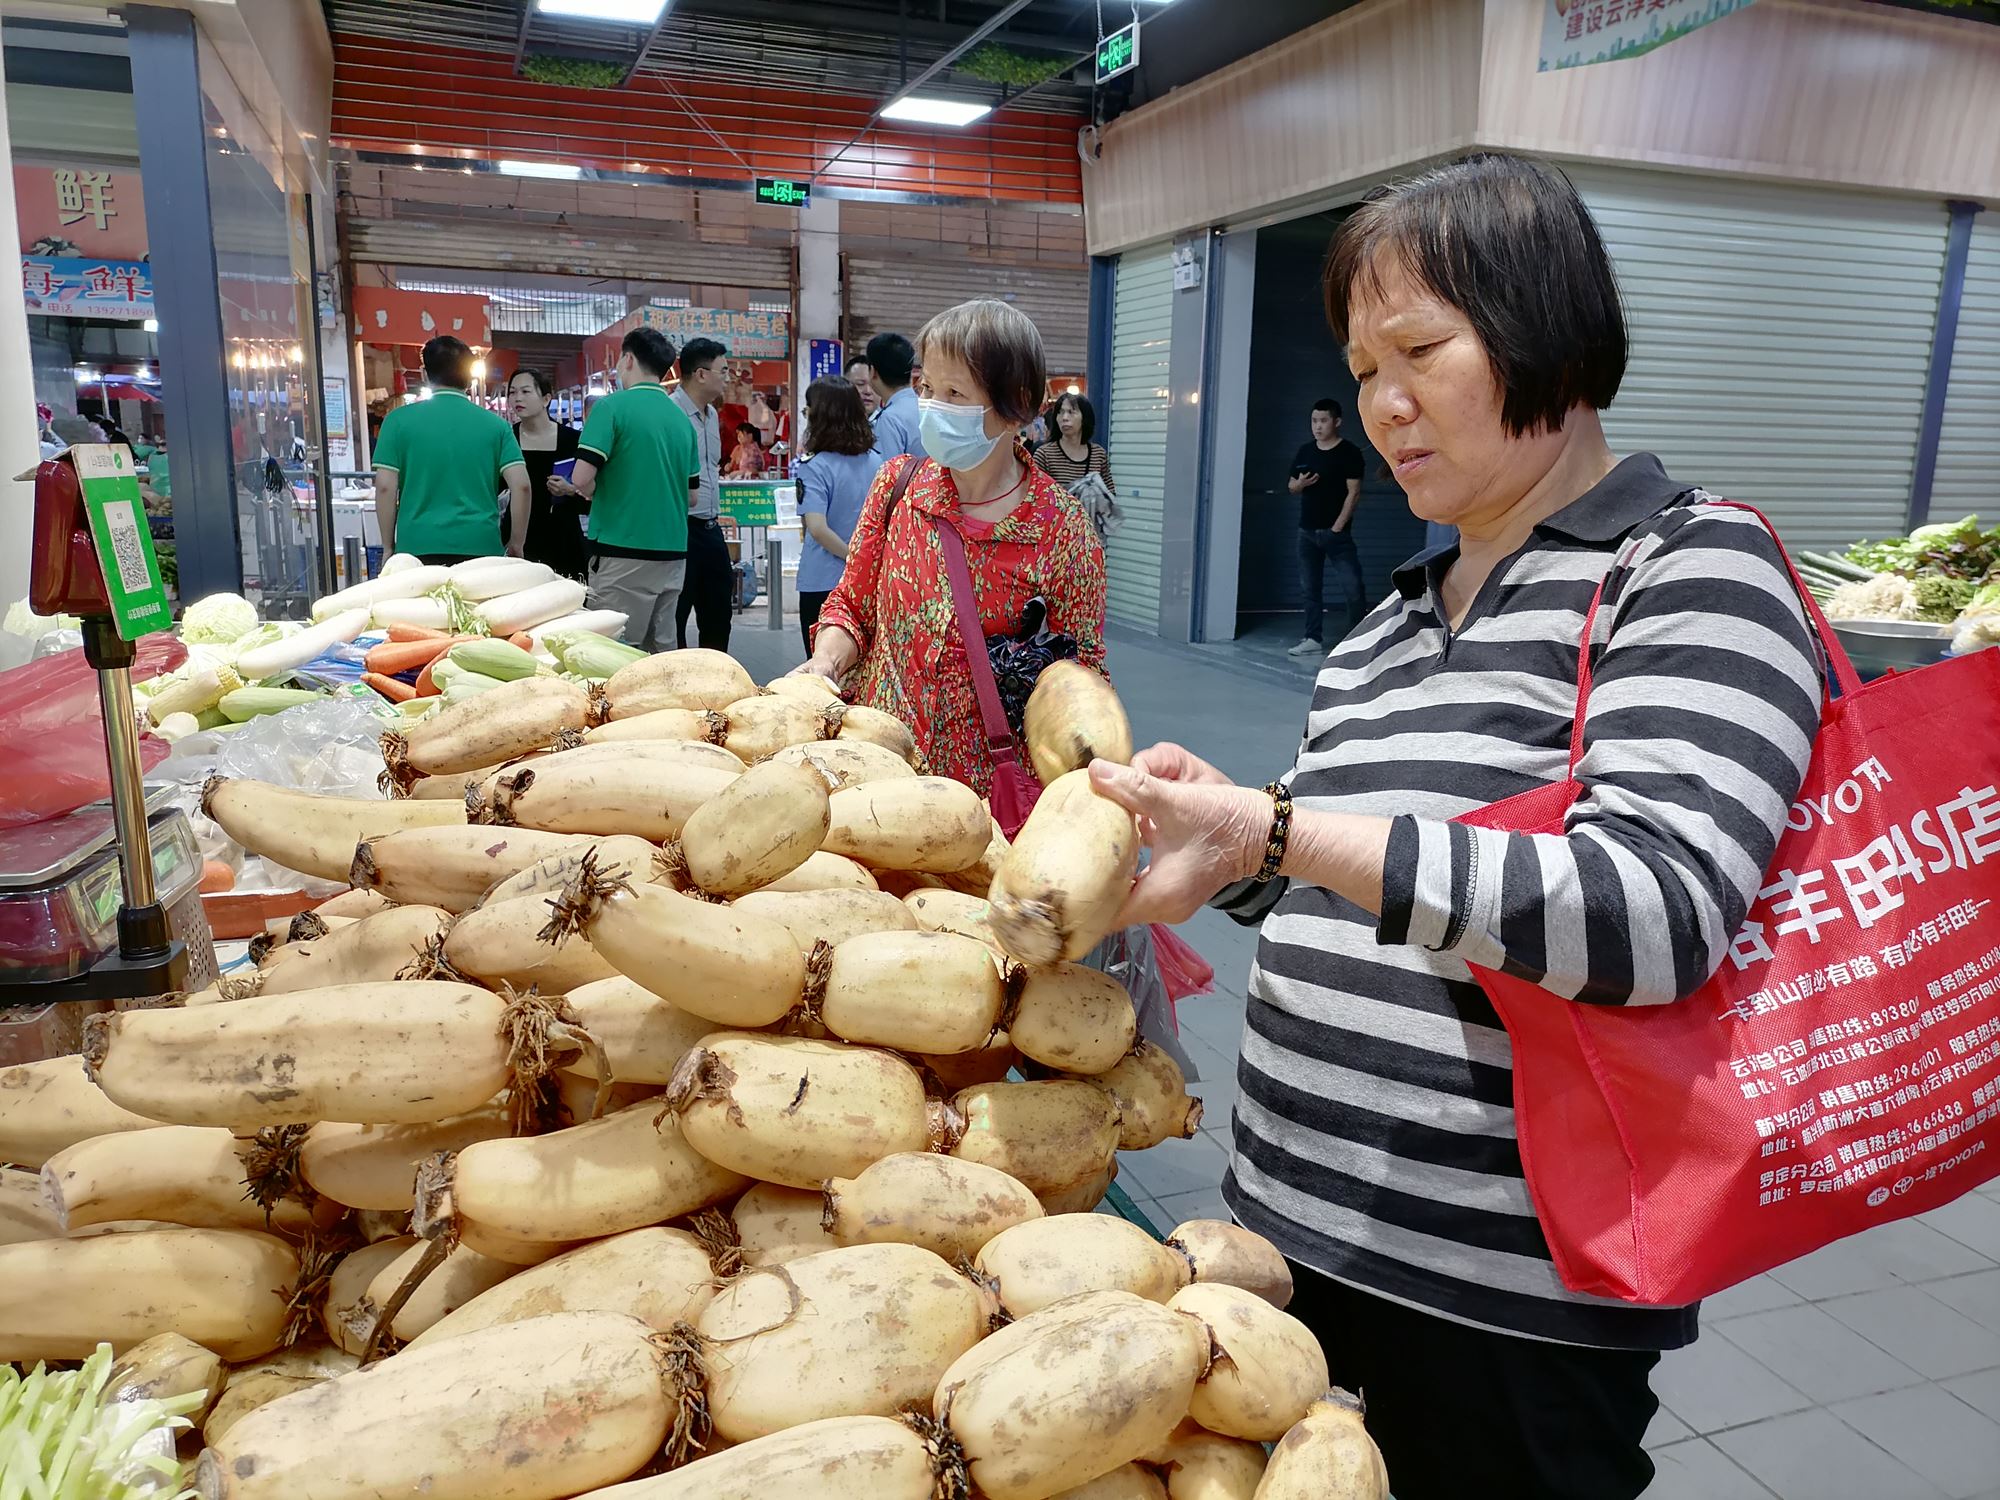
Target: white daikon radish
x,y
1327,1456
796,1111
1267,1369
948,1206
404,583
659,1276
1038,1263
533,606
596,621
842,1458
294,651
1234,1256
397,562
534,1410
1201,1465
861,1331
431,614
484,578
776,1224
1071,1393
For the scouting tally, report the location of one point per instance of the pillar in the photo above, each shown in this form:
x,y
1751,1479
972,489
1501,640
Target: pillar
x,y
819,295
20,443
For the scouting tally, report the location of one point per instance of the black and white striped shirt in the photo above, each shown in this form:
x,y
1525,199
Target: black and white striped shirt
x,y
1374,1135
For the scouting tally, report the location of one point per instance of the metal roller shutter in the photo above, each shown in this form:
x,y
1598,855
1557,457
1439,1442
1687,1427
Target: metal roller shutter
x,y
902,295
490,245
1780,341
1969,446
1141,349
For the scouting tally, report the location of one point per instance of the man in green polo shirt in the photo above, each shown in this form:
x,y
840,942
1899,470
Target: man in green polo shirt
x,y
441,464
636,462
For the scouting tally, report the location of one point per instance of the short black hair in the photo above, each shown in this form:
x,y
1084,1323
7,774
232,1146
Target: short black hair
x,y
852,361
1000,347
699,354
892,356
653,350
448,362
1506,240
543,385
743,427
1083,409
1330,406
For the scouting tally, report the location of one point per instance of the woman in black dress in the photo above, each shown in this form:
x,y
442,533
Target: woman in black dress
x,y
556,516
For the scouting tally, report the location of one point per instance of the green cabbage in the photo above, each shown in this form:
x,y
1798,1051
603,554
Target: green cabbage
x,y
218,620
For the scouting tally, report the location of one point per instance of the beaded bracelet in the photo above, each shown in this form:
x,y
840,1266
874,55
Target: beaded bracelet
x,y
1281,830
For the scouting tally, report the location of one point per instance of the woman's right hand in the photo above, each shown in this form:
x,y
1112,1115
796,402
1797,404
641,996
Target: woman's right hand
x,y
817,666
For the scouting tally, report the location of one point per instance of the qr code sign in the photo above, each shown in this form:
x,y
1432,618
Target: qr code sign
x,y
121,523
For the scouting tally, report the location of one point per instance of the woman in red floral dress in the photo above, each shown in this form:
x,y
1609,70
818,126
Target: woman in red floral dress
x,y
887,632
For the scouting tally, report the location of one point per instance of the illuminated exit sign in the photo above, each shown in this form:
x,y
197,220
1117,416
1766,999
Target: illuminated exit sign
x,y
1118,53
783,192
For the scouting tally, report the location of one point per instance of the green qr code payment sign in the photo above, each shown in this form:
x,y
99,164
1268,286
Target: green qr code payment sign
x,y
124,540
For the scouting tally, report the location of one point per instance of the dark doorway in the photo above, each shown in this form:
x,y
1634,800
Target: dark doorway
x,y
1293,363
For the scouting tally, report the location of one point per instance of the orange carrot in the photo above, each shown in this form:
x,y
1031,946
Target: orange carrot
x,y
407,633
393,688
392,657
427,684
522,639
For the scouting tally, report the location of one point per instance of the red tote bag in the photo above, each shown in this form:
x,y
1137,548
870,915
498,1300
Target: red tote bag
x,y
1842,1069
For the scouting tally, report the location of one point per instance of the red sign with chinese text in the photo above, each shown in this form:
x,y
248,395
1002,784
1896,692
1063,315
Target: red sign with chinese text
x,y
80,212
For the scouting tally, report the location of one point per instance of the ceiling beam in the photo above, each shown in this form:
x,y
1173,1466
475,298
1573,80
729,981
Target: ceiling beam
x,y
861,22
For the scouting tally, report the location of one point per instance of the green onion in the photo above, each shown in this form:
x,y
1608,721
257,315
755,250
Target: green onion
x,y
60,1439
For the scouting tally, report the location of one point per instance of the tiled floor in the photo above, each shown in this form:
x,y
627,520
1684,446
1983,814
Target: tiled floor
x,y
1867,1371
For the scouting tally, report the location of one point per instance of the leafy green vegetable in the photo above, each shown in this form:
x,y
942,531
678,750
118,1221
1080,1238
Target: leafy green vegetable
x,y
1939,599
1951,549
60,1439
218,620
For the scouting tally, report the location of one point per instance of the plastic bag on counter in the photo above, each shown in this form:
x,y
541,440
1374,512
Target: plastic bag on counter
x,y
52,732
1130,957
332,747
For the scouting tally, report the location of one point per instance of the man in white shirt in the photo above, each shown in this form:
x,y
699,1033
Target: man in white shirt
x,y
710,591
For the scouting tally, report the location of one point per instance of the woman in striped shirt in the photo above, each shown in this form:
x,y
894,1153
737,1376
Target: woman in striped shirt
x,y
1374,1138
1071,453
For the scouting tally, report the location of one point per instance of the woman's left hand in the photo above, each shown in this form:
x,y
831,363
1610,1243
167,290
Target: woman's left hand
x,y
1204,834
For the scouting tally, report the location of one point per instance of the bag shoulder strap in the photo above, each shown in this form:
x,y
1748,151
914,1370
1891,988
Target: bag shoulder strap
x,y
972,636
899,488
1837,668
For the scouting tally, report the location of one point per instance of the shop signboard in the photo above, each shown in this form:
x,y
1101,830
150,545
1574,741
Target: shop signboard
x,y
822,358
746,335
76,210
124,541
753,502
1118,53
1577,32
63,286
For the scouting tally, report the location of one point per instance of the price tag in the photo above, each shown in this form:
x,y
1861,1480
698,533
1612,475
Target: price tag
x,y
124,541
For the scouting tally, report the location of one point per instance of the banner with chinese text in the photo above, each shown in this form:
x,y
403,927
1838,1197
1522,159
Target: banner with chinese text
x,y
63,287
1577,32
72,212
746,335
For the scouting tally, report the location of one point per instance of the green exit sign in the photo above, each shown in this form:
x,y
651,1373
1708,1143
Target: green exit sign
x,y
783,192
1118,53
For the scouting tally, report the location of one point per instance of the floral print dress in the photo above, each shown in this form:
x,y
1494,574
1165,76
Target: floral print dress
x,y
895,600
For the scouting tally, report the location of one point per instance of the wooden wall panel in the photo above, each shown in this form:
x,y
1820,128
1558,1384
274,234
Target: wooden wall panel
x,y
1366,91
1833,91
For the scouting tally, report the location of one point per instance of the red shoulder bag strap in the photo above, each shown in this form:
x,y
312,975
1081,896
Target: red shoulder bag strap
x,y
993,716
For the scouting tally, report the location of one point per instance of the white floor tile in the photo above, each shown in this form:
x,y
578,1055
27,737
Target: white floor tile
x,y
1888,1255
1815,1353
1178,1209
1712,1384
1812,1456
1981,1392
1174,1167
1974,1221
1698,1471
1932,1432
1934,1340
1667,1428
1977,1296
1758,1294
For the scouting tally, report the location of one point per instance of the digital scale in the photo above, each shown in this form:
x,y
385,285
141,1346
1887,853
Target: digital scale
x,y
101,905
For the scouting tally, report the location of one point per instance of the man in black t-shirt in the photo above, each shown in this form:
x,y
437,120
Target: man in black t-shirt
x,y
1326,476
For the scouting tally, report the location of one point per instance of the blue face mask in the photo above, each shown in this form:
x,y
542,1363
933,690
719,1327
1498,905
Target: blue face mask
x,y
955,435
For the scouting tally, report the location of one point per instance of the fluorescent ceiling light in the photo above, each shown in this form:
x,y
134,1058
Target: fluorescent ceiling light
x,y
625,12
924,110
539,169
